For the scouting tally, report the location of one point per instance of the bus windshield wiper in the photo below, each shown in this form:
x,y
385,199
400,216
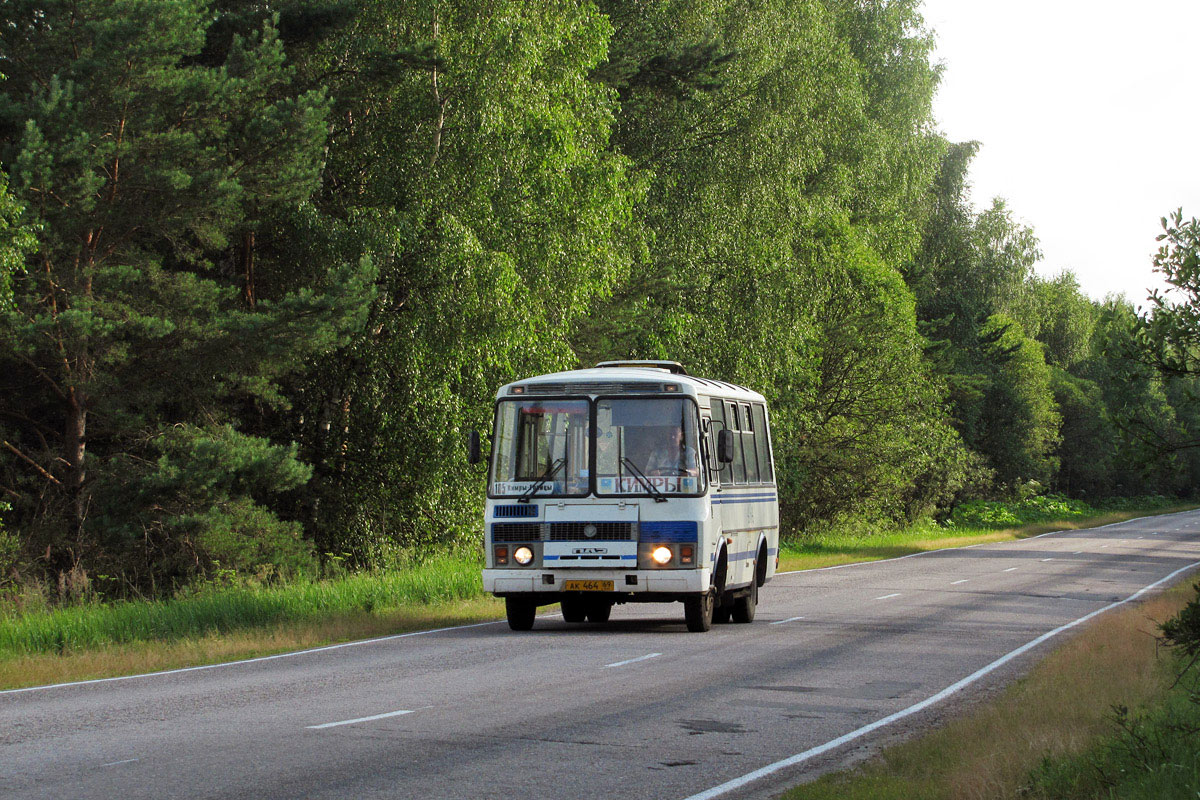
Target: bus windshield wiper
x,y
643,480
547,475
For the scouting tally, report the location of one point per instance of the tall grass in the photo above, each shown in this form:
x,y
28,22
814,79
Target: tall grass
x,y
225,610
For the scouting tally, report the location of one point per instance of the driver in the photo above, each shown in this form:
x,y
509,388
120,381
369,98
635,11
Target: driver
x,y
673,455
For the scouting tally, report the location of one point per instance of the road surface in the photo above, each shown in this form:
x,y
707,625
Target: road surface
x,y
636,708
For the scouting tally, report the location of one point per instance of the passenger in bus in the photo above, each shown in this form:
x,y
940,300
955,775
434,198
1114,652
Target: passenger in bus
x,y
672,455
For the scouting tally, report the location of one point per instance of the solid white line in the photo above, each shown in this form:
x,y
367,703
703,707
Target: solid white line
x,y
956,583
633,660
249,660
789,619
886,596
115,763
800,758
360,719
1010,569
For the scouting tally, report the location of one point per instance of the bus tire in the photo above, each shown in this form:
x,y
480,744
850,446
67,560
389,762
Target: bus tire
x,y
698,612
745,606
573,609
520,612
598,611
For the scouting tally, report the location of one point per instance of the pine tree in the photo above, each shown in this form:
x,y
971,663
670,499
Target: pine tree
x,y
136,333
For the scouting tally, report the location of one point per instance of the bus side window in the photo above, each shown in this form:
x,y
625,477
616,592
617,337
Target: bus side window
x,y
719,475
749,434
733,417
764,444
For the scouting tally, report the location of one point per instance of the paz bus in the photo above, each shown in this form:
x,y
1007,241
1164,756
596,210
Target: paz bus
x,y
629,482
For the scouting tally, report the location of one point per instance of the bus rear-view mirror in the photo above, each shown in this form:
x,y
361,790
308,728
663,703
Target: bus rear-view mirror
x,y
474,452
724,446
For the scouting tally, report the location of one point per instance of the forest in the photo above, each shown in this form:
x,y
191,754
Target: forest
x,y
264,264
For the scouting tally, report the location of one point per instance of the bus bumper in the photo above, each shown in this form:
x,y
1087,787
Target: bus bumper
x,y
631,583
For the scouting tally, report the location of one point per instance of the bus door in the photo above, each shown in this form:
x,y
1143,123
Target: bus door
x,y
718,474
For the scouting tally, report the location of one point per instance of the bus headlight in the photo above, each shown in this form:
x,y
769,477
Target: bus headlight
x,y
661,555
523,556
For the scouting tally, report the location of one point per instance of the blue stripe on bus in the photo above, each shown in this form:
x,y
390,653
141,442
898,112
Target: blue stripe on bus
x,y
591,558
749,498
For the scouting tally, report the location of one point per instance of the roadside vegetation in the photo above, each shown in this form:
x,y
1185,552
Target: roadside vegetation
x,y
42,641
228,363
1114,712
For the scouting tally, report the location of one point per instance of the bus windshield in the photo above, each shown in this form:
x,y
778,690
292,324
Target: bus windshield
x,y
647,446
541,448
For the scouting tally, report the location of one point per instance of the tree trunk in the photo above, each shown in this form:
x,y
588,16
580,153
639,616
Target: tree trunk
x,y
248,267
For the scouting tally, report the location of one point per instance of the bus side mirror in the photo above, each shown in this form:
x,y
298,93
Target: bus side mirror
x,y
724,446
474,453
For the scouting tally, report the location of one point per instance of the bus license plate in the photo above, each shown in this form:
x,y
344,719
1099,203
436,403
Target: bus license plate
x,y
587,586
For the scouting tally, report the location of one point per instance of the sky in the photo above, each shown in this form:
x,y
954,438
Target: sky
x,y
1088,114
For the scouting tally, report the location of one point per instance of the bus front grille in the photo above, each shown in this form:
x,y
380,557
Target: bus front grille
x,y
516,531
600,532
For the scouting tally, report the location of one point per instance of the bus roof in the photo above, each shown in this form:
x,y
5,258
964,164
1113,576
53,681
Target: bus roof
x,y
625,380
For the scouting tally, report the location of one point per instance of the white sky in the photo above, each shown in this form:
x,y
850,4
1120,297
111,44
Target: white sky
x,y
1089,118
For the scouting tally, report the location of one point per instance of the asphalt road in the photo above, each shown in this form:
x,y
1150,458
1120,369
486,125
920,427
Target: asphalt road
x,y
637,708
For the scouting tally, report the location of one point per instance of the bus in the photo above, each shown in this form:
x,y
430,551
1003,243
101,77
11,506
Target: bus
x,y
629,482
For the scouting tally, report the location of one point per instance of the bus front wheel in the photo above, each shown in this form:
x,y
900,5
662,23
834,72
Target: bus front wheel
x,y
698,612
598,611
520,612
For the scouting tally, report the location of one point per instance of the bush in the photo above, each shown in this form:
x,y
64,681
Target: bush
x,y
997,514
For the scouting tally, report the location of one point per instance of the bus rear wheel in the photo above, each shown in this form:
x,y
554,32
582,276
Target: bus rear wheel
x,y
698,612
520,612
745,606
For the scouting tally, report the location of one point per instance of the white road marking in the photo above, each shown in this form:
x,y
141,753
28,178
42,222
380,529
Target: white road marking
x,y
360,719
115,763
955,583
789,619
1047,559
813,752
1010,569
252,660
1103,546
1077,552
633,660
886,596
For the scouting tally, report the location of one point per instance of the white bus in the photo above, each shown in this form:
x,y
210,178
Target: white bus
x,y
630,482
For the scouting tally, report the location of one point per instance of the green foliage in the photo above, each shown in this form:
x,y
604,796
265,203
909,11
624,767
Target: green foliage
x,y
145,172
1169,336
1006,514
1183,630
263,266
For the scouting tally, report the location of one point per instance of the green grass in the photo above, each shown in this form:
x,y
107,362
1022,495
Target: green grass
x,y
225,610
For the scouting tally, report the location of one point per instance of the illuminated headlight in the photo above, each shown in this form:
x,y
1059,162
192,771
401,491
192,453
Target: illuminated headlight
x,y
523,556
661,555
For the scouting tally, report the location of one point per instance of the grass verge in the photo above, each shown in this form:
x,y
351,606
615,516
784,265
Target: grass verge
x,y
1056,714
